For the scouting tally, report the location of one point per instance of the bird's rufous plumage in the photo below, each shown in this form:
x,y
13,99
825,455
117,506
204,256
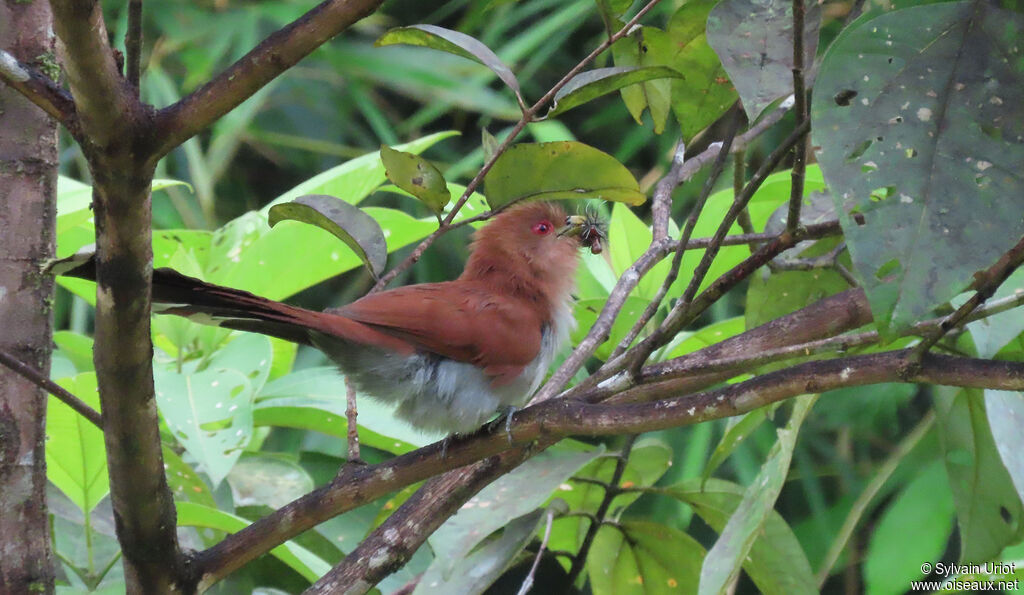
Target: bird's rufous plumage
x,y
449,354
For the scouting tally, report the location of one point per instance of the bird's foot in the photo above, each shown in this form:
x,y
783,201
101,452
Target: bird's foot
x,y
505,416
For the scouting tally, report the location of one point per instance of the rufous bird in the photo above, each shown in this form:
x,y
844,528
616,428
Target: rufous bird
x,y
449,354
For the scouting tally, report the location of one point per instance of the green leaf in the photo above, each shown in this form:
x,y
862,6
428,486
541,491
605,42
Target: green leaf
x,y
416,176
591,84
724,560
628,238
643,558
1005,411
184,482
586,310
314,399
209,411
75,347
355,179
559,170
511,496
648,461
705,92
995,332
988,507
646,46
452,42
755,43
76,460
921,138
776,562
737,430
913,530
348,223
688,342
261,479
481,567
295,557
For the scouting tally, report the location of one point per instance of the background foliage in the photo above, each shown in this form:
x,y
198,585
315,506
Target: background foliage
x,y
851,491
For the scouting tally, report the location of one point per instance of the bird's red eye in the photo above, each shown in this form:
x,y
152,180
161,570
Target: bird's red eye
x,y
542,228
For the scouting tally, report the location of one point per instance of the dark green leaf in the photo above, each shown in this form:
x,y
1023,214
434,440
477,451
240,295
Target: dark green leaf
x,y
591,84
346,222
417,176
452,42
724,560
643,558
988,507
912,531
755,42
511,496
776,562
705,91
482,566
922,137
559,170
1006,417
646,46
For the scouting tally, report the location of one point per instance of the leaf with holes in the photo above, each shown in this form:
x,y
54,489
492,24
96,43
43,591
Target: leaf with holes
x,y
348,223
453,42
754,39
417,176
209,411
921,130
559,170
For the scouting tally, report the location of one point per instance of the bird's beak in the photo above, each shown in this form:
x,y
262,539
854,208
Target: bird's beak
x,y
589,229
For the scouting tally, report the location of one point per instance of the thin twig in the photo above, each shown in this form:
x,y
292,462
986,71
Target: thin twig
x,y
797,175
353,429
610,492
32,375
987,283
133,45
661,202
683,311
691,222
739,179
528,581
527,117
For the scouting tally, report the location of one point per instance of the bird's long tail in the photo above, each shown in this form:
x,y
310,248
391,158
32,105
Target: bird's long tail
x,y
207,303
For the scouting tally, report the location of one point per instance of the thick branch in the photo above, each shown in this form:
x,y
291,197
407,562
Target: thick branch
x,y
107,108
277,53
397,539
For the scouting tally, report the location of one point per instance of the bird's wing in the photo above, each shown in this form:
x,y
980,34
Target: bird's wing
x,y
458,320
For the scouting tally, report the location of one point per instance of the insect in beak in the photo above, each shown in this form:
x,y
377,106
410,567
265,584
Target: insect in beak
x,y
591,230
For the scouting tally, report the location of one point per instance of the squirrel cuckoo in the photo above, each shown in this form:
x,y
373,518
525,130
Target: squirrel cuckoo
x,y
450,354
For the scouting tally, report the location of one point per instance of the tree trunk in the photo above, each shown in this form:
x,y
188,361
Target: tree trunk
x,y
28,177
